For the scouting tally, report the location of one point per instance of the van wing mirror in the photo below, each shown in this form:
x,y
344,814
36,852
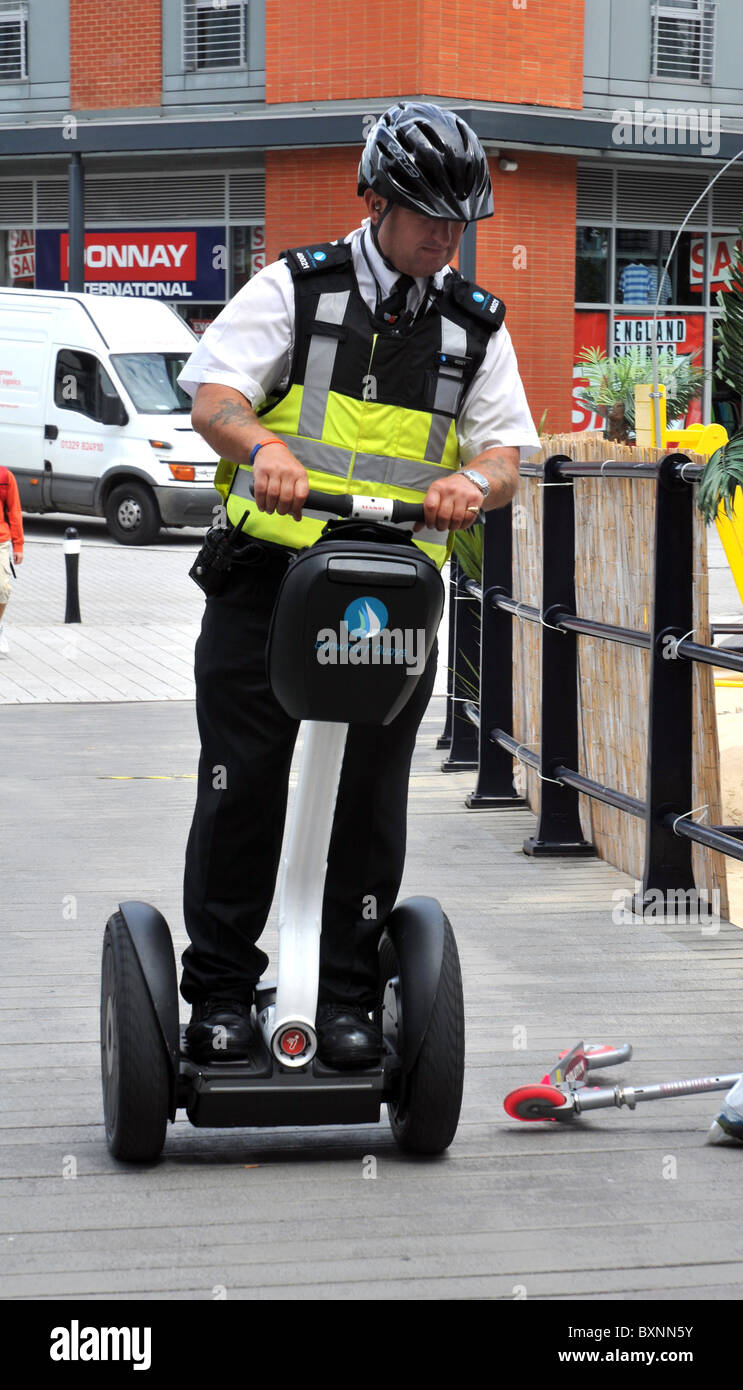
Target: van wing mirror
x,y
113,411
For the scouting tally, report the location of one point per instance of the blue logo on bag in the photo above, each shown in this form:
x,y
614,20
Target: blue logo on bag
x,y
365,617
476,295
319,256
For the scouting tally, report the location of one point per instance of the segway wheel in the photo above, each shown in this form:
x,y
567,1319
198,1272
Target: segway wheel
x,y
534,1103
424,1113
133,1057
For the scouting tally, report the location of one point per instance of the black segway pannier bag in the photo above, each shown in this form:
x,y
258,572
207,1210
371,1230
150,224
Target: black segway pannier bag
x,y
352,629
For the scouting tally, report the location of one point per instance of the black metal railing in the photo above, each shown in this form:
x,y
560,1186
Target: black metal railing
x,y
484,614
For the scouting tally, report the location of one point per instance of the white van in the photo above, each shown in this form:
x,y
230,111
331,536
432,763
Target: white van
x,y
92,419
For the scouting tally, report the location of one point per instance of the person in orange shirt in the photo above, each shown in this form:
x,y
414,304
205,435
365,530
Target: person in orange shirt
x,y
11,543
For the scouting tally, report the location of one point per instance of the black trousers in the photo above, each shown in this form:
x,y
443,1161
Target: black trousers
x,y
234,847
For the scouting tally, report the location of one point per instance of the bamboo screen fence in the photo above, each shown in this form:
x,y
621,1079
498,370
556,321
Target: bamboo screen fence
x,y
614,526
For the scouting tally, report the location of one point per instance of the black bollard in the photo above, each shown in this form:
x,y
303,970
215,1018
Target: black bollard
x,y
71,546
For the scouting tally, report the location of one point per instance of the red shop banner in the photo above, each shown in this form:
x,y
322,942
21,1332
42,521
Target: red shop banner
x,y
591,328
134,256
682,333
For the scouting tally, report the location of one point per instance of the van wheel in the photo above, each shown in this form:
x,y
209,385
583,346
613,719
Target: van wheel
x,y
131,514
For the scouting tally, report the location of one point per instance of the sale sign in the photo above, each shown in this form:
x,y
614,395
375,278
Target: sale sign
x,y
21,256
21,239
722,250
22,265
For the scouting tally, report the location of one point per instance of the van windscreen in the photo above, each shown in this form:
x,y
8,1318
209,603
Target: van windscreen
x,y
151,380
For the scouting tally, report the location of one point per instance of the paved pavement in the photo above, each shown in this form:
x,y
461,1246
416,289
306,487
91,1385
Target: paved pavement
x,y
140,618
99,791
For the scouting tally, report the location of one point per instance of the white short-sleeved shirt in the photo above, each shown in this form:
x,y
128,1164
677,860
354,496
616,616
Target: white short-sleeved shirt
x,y
249,347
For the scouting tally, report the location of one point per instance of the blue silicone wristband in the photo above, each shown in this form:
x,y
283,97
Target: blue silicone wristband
x,y
256,447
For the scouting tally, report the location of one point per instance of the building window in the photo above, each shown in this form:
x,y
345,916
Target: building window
x,y
591,265
13,40
214,34
683,41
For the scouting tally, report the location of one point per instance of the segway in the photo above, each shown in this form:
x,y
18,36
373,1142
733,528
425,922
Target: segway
x,y
339,650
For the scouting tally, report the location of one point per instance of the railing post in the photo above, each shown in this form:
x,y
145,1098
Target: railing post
x,y
668,863
495,786
559,829
444,739
465,620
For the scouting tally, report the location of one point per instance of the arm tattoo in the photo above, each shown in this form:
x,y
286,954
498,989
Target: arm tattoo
x,y
503,484
232,412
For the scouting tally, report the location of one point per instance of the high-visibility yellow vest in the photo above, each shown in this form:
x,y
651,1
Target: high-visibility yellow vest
x,y
367,410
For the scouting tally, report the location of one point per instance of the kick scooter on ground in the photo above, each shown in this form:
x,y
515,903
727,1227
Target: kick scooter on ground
x,y
565,1094
370,585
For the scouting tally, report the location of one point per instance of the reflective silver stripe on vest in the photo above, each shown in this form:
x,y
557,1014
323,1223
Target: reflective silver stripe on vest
x,y
448,388
321,458
437,437
448,391
377,468
320,363
453,338
241,488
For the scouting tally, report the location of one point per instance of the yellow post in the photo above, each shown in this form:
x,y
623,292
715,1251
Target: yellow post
x,y
645,417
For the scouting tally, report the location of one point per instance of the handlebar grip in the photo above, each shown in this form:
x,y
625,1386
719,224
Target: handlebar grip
x,y
407,511
339,504
603,1056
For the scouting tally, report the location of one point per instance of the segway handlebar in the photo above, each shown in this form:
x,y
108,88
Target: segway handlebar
x,y
359,507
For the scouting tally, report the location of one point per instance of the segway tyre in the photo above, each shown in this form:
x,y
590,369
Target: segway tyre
x,y
133,1058
424,1112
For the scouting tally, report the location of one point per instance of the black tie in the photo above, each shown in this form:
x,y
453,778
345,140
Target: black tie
x,y
391,308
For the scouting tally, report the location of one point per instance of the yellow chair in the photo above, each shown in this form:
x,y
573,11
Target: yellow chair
x,y
697,439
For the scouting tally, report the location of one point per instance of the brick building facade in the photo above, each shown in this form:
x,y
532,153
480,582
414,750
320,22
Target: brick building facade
x,y
242,123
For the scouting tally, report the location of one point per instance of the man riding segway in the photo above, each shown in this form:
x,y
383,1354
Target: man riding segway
x,y
370,361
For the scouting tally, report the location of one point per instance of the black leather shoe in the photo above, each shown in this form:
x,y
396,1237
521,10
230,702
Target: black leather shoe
x,y
221,1030
347,1037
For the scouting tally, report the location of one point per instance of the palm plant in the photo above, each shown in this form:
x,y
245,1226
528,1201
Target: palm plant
x,y
724,470
612,381
468,551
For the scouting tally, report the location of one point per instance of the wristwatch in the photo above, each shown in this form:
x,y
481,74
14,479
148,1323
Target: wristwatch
x,y
478,480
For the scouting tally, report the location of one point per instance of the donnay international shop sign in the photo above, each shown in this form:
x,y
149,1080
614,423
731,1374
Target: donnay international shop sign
x,y
159,263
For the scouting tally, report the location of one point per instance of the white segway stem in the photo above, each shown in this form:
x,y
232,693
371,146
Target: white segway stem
x,y
289,1024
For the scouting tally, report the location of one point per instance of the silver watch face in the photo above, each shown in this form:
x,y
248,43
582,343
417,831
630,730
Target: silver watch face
x,y
477,478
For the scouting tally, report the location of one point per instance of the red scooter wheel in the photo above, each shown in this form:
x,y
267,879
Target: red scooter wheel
x,y
534,1103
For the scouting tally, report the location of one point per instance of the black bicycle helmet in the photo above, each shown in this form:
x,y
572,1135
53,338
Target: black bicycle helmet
x,y
429,160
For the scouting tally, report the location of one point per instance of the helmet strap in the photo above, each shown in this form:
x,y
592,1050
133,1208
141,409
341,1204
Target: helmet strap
x,y
374,228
